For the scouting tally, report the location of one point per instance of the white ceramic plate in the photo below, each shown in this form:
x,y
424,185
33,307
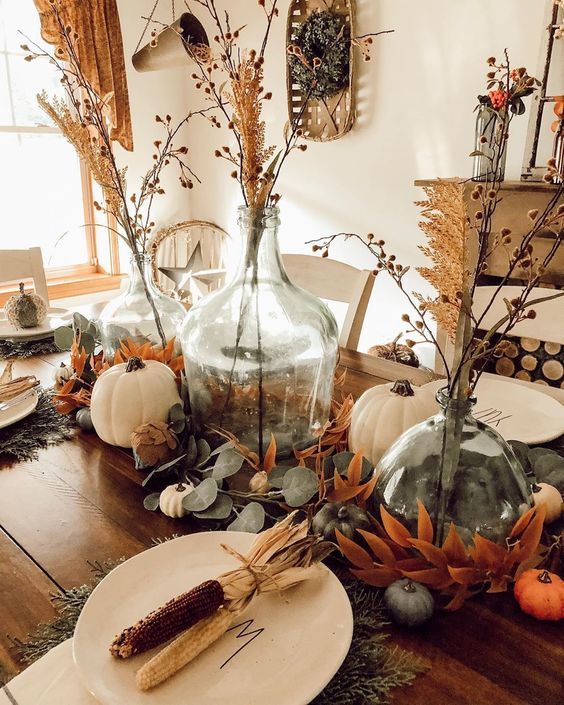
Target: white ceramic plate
x,y
282,651
19,411
517,411
55,317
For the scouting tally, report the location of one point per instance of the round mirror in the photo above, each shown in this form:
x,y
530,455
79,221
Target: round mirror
x,y
189,259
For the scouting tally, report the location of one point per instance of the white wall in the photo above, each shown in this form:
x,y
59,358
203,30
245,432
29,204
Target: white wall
x,y
415,120
150,94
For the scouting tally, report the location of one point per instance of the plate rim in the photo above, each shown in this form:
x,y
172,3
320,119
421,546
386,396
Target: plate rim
x,y
54,311
190,537
540,437
24,415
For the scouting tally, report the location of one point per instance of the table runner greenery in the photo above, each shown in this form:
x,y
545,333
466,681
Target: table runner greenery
x,y
372,669
44,427
24,349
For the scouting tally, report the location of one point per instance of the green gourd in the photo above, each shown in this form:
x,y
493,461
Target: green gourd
x,y
347,518
25,310
409,603
84,420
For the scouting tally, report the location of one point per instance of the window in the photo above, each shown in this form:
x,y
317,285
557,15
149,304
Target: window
x,y
45,191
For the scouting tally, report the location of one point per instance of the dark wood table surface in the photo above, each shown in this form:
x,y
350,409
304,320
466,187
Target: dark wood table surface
x,y
83,501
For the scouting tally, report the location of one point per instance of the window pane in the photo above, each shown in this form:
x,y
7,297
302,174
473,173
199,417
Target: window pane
x,y
42,198
20,81
18,16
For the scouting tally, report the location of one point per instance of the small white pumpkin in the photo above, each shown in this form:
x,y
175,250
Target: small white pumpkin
x,y
130,394
62,374
170,500
550,496
384,412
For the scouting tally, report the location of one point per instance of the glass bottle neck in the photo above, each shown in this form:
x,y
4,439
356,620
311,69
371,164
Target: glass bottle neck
x,y
141,263
458,406
260,255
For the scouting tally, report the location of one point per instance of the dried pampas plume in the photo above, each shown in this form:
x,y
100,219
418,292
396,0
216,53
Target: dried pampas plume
x,y
445,227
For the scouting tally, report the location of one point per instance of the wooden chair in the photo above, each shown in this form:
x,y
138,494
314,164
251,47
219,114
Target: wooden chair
x,y
335,281
19,265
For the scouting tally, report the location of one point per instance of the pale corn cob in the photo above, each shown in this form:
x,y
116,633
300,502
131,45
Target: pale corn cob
x,y
169,620
8,390
182,650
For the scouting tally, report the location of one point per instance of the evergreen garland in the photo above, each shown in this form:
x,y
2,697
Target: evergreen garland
x,y
23,349
324,35
370,671
44,427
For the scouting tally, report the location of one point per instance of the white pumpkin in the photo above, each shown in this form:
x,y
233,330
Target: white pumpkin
x,y
170,500
384,412
130,394
550,496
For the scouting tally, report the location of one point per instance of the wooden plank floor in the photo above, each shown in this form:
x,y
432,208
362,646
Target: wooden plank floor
x,y
82,501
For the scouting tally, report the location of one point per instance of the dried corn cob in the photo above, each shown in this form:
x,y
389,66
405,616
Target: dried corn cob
x,y
169,620
11,389
183,649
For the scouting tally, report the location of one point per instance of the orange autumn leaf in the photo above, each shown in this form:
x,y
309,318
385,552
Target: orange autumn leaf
x,y
355,469
530,539
353,552
486,554
379,576
454,548
396,530
424,523
522,523
270,456
432,553
379,548
467,575
432,577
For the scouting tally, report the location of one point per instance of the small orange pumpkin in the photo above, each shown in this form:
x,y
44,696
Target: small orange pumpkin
x,y
540,594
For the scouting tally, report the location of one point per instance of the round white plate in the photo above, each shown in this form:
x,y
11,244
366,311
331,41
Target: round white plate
x,y
19,411
282,651
517,411
55,317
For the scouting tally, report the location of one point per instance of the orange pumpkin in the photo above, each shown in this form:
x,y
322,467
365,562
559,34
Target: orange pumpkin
x,y
540,594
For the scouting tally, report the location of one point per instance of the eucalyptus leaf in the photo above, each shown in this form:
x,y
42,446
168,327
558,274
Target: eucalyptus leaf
x,y
92,328
191,452
87,342
151,501
201,497
220,509
276,476
80,322
64,337
176,412
299,486
204,451
228,463
250,519
221,448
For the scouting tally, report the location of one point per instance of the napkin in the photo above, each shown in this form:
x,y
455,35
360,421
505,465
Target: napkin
x,y
52,680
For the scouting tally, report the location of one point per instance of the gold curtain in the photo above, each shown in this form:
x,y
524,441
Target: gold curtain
x,y
100,51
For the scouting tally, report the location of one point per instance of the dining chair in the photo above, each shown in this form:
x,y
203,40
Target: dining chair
x,y
335,281
19,265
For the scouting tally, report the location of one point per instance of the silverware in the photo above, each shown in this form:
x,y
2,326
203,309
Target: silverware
x,y
16,400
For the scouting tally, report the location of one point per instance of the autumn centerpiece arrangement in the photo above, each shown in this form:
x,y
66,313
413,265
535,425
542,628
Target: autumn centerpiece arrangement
x,y
461,470
84,118
260,353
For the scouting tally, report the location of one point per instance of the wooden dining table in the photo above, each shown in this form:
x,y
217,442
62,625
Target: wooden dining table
x,y
82,501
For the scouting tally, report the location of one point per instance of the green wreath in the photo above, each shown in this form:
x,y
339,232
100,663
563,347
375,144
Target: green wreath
x,y
324,35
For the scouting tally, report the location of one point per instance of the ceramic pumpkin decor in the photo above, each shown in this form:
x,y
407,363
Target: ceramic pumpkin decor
x,y
170,500
25,310
345,517
540,594
384,412
130,394
551,498
409,603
